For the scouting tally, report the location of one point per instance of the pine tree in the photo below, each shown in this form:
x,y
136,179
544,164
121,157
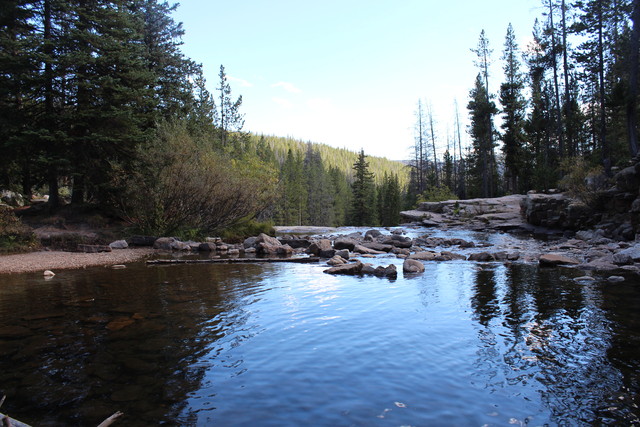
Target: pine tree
x,y
482,163
293,203
363,208
171,69
390,201
319,197
231,120
341,196
513,114
484,111
203,115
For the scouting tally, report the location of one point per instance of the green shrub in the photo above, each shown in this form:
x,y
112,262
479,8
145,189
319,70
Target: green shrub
x,y
185,187
583,181
241,231
437,194
14,235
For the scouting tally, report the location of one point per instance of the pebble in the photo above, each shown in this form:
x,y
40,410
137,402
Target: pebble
x,y
615,279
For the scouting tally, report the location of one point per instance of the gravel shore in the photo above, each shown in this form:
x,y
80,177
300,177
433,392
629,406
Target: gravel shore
x,y
58,260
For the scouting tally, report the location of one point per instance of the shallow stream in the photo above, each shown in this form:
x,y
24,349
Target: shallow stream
x,y
284,344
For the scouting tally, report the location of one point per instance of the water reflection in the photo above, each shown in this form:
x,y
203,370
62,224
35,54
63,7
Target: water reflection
x,y
85,345
549,335
288,345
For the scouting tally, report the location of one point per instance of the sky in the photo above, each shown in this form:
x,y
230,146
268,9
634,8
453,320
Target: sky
x,y
349,73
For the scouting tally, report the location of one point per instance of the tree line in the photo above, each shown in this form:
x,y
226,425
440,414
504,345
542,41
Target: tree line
x,y
569,99
99,105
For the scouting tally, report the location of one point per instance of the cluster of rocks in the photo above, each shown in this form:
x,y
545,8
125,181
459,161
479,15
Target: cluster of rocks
x,y
345,253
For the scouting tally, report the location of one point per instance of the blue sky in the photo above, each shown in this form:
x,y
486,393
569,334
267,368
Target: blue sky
x,y
349,73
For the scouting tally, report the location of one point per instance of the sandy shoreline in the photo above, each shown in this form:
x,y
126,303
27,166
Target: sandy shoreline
x,y
58,260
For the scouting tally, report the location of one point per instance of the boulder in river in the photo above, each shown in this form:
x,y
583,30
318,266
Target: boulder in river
x,y
344,243
346,269
322,248
412,266
557,259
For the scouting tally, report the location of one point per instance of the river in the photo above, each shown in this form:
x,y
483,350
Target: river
x,y
463,344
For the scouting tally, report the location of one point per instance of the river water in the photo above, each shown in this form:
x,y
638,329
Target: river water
x,y
463,344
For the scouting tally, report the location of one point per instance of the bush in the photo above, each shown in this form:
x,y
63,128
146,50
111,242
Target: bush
x,y
241,231
14,235
184,187
583,181
437,194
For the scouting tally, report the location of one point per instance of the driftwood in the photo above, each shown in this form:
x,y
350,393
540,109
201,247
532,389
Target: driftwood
x,y
111,419
10,422
6,421
306,260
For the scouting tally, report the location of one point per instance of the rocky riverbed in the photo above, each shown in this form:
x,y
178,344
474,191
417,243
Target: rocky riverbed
x,y
548,229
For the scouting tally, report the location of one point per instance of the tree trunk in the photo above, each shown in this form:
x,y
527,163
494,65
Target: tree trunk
x,y
567,92
632,95
555,82
52,173
606,160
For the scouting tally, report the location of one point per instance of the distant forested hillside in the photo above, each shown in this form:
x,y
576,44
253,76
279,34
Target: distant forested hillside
x,y
339,158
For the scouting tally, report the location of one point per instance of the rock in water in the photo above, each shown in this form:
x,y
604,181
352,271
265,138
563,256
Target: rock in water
x,y
348,269
556,259
412,266
49,273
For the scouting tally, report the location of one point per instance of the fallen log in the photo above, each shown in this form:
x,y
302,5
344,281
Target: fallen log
x,y
112,419
10,422
306,260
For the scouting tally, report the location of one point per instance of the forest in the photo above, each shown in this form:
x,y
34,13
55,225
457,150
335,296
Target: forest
x,y
565,111
99,106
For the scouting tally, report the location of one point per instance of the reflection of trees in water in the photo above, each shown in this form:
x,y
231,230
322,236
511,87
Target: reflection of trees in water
x,y
546,333
484,300
129,340
621,303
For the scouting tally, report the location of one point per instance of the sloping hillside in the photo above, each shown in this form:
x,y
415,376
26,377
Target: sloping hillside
x,y
341,158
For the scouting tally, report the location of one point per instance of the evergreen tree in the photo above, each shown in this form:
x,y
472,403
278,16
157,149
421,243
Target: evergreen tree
x,y
341,196
513,114
162,40
203,114
363,207
484,111
293,203
482,162
390,201
539,153
18,75
231,120
319,196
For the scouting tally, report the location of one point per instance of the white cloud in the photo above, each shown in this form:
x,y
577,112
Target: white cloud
x,y
241,82
289,87
282,102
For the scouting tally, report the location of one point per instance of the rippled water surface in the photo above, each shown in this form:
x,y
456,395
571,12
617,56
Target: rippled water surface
x,y
274,345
